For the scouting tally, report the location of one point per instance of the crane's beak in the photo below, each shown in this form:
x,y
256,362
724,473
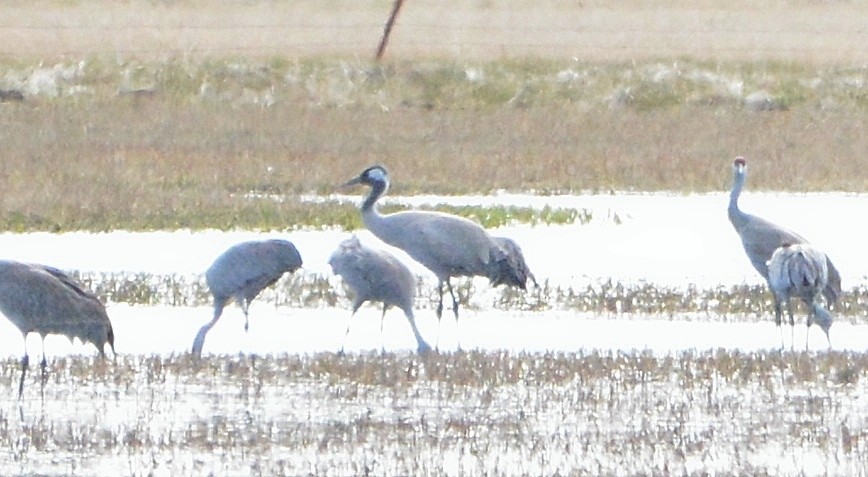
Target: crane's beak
x,y
352,182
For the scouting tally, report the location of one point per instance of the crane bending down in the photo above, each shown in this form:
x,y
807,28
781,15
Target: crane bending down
x,y
761,238
447,245
516,258
42,299
241,272
376,275
800,271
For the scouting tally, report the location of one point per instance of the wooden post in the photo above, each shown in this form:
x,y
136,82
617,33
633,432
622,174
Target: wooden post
x,y
388,29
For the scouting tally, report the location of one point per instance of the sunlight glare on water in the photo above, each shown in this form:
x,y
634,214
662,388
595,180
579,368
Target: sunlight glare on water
x,y
665,239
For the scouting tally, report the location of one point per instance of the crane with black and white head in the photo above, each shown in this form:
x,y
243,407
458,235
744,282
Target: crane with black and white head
x,y
447,245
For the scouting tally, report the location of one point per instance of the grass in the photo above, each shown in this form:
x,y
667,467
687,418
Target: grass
x,y
213,132
447,414
606,298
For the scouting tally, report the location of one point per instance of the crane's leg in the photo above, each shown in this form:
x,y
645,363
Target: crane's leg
x,y
245,305
356,306
421,345
828,340
439,313
792,326
42,366
199,341
454,300
454,311
25,362
810,321
383,319
778,313
439,310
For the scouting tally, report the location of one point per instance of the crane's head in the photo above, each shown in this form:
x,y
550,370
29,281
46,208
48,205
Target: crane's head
x,y
739,165
823,318
110,339
372,176
97,330
346,253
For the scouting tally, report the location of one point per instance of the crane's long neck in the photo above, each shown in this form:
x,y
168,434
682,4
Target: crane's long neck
x,y
822,316
736,216
377,190
374,221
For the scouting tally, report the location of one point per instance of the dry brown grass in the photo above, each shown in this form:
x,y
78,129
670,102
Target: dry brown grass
x,y
161,164
230,108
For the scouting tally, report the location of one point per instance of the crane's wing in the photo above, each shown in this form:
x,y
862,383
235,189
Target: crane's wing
x,y
454,244
761,238
246,267
66,280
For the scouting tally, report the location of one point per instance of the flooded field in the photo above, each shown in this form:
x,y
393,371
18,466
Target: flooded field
x,y
474,413
650,348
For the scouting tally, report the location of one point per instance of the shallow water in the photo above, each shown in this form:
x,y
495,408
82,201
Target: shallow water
x,y
665,239
165,330
443,414
668,394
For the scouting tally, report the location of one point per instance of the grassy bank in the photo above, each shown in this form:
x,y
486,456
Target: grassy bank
x,y
102,144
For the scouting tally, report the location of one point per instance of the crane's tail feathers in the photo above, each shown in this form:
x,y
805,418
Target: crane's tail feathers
x,y
833,287
832,291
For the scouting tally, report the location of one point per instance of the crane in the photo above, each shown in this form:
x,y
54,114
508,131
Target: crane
x,y
447,245
800,271
761,238
42,299
242,272
376,275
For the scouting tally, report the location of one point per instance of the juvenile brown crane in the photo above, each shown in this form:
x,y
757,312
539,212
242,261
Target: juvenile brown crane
x,y
761,238
448,245
42,299
241,272
376,275
800,271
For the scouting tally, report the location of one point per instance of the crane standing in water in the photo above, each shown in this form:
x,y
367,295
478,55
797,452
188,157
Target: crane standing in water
x,y
376,275
45,300
447,245
762,238
241,272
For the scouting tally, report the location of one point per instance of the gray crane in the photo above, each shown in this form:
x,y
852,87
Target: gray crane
x,y
45,300
761,238
376,275
800,271
241,272
448,245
